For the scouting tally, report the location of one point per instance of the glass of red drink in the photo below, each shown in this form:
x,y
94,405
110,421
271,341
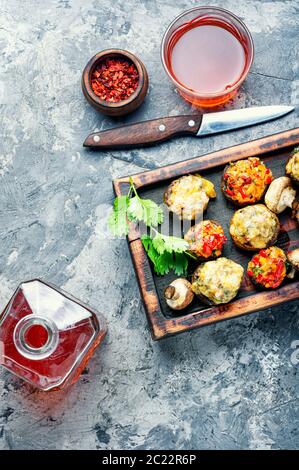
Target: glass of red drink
x,y
207,53
47,336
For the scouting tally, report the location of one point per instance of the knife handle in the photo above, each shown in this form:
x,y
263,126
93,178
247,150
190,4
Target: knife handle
x,y
144,133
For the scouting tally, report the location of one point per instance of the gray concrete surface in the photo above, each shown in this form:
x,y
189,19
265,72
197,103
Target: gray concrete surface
x,y
228,386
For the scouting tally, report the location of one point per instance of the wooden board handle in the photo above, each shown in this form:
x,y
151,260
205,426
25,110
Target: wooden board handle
x,y
144,133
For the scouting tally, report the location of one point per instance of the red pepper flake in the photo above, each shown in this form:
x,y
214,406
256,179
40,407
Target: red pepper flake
x,y
247,180
229,192
114,80
243,194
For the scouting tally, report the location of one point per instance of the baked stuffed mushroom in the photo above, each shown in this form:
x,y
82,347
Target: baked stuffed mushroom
x,y
268,268
292,167
255,227
206,239
217,282
245,181
188,196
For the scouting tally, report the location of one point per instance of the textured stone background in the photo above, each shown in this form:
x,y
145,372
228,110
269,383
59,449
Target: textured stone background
x,y
231,385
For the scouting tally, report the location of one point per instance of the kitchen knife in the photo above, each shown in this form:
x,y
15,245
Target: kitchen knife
x,y
198,125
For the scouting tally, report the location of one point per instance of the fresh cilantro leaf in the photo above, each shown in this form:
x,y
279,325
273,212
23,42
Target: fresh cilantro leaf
x,y
147,242
117,221
165,252
159,243
169,243
164,255
181,264
149,248
145,210
175,244
135,209
164,263
154,213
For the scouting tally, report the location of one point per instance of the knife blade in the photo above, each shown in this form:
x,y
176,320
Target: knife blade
x,y
198,125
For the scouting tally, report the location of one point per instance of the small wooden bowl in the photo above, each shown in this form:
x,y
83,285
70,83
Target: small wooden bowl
x,y
122,107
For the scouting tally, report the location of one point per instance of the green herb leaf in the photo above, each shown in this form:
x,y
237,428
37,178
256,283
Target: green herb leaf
x,y
149,248
145,210
166,254
117,221
181,264
164,264
256,270
154,213
135,209
169,243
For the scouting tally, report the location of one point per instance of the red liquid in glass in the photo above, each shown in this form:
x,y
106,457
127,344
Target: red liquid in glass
x,y
36,336
78,333
207,55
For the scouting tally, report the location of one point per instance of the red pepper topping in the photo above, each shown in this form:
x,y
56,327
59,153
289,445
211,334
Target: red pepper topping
x,y
229,191
243,194
114,80
208,239
268,267
263,253
247,179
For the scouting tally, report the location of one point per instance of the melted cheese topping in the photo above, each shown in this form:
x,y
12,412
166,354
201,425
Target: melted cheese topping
x,y
188,196
254,226
292,168
218,280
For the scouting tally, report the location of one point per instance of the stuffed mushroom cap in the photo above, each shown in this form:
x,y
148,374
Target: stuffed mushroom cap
x,y
292,167
217,282
206,239
268,268
254,227
245,181
188,196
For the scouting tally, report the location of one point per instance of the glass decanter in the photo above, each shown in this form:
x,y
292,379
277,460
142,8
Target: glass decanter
x,y
47,336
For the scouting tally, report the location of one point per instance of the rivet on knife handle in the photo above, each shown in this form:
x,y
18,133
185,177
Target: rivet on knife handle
x,y
145,133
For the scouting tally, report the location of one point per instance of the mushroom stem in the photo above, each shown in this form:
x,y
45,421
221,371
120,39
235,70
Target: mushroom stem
x,y
178,294
170,293
287,197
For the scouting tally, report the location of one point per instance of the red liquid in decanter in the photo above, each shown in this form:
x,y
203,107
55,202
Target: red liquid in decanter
x,y
47,336
207,56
